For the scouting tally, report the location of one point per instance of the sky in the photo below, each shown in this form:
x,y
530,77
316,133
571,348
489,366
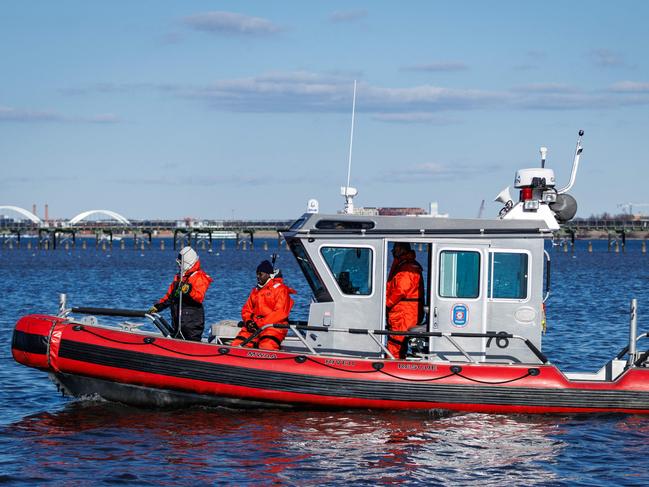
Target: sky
x,y
242,109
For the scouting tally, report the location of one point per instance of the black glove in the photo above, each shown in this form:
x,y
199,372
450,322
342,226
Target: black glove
x,y
251,326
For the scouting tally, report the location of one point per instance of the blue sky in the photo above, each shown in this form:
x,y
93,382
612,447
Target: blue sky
x,y
221,109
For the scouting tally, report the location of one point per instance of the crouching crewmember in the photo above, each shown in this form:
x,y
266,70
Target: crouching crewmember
x,y
269,303
192,283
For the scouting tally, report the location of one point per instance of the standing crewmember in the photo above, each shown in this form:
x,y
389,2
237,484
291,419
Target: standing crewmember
x,y
269,303
404,298
185,296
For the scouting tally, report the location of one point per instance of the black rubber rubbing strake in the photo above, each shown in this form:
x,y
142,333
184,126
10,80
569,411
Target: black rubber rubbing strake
x,y
30,342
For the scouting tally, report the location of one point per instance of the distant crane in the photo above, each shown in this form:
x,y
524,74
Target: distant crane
x,y
628,207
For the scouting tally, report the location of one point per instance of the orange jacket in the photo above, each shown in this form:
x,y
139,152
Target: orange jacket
x,y
405,293
270,304
196,278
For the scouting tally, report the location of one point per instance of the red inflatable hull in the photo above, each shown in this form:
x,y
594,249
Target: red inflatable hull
x,y
143,369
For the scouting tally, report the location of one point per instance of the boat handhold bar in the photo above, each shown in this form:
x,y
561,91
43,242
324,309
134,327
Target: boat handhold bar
x,y
63,305
633,331
130,313
575,165
625,350
548,269
157,320
449,336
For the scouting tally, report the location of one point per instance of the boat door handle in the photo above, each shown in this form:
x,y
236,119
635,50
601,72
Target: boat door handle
x,y
435,322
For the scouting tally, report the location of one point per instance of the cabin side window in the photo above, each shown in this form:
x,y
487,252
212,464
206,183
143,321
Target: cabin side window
x,y
508,275
459,274
351,267
320,293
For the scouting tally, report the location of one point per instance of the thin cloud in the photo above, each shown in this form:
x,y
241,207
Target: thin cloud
x,y
14,115
534,59
172,38
231,23
111,88
440,67
241,180
347,16
545,88
605,58
304,91
31,180
430,171
104,118
8,114
565,101
630,87
301,91
536,54
413,117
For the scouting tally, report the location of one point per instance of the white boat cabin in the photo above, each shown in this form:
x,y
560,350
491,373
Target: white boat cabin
x,y
481,277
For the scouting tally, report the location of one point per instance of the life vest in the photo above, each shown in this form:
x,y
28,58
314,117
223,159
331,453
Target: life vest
x,y
199,282
405,293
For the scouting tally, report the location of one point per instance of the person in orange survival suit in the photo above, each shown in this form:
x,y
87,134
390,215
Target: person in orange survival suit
x,y
192,286
404,296
269,303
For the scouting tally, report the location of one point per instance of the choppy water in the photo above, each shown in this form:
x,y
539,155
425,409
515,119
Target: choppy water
x,y
45,438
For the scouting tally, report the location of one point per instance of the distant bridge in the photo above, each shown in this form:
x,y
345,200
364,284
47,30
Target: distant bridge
x,y
608,225
50,233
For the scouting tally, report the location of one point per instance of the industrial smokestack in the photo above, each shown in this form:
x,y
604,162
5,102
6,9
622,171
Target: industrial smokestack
x,y
47,213
34,209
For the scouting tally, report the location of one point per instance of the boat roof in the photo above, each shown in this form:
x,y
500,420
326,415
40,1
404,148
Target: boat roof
x,y
317,224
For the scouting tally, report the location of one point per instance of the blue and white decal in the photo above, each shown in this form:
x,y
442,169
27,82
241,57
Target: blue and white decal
x,y
460,315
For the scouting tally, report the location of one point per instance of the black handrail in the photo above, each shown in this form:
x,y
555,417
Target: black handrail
x,y
438,334
157,320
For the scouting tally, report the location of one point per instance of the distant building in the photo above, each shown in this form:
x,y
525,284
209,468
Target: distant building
x,y
368,211
400,211
391,211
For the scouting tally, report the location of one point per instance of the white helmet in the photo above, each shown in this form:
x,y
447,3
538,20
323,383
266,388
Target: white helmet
x,y
187,257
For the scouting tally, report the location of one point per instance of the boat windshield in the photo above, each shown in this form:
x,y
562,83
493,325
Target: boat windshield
x,y
320,293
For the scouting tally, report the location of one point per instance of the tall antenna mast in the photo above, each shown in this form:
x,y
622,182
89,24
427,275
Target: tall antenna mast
x,y
347,191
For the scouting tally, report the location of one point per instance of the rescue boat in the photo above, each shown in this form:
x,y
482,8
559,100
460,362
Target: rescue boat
x,y
477,348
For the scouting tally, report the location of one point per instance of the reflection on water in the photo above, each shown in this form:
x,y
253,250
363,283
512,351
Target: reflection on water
x,y
113,442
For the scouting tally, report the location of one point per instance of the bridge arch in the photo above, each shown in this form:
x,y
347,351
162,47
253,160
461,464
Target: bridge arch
x,y
23,212
111,214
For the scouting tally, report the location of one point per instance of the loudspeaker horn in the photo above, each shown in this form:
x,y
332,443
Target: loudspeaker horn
x,y
504,196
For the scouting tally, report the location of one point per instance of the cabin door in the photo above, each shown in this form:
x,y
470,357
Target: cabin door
x,y
458,298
